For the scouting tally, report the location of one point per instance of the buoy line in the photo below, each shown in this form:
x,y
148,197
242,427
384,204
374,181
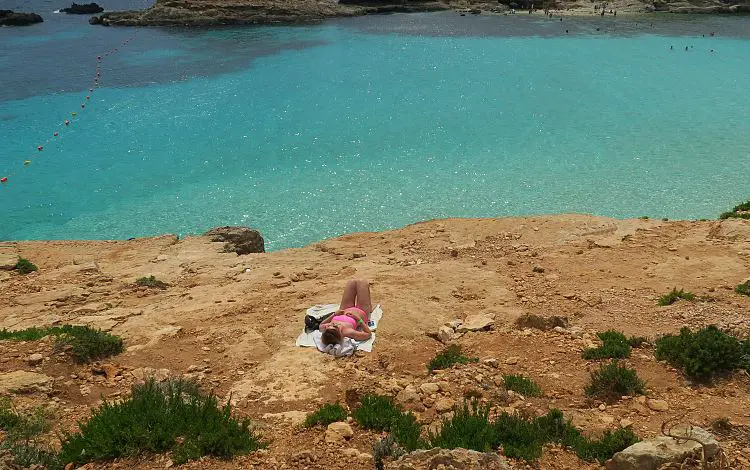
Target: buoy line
x,y
66,123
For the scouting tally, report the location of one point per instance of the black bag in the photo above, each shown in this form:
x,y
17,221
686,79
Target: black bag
x,y
312,322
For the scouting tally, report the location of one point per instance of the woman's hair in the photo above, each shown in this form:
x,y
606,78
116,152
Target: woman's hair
x,y
331,336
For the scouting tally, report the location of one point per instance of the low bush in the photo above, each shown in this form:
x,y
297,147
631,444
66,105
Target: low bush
x,y
20,437
325,415
743,288
84,343
615,346
471,428
446,358
379,413
523,385
674,296
158,418
25,266
705,353
151,282
612,381
741,211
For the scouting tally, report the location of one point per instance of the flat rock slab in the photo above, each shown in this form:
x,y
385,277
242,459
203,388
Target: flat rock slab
x,y
653,453
454,458
21,381
8,262
477,323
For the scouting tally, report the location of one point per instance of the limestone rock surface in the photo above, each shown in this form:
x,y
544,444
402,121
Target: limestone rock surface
x,y
651,454
458,459
21,381
477,322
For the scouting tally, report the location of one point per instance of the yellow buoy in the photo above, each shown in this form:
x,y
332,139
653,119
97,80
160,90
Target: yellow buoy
x,y
27,162
73,113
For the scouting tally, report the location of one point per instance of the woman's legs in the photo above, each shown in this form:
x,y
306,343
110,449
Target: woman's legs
x,y
357,294
363,296
349,298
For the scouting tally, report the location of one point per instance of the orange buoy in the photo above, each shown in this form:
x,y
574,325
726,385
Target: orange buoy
x,y
67,123
4,179
40,148
56,134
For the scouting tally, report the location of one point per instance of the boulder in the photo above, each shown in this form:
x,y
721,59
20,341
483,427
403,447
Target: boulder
x,y
338,431
429,388
657,405
651,454
407,395
445,334
477,322
444,404
35,359
22,381
462,459
83,9
241,240
11,18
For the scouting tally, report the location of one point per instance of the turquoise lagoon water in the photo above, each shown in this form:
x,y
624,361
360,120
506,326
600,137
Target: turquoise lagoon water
x,y
370,123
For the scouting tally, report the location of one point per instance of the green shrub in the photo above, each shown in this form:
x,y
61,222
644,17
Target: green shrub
x,y
25,266
615,346
523,385
705,353
643,217
674,296
379,413
605,447
84,343
741,211
158,418
612,381
471,428
743,288
325,415
446,358
151,282
21,433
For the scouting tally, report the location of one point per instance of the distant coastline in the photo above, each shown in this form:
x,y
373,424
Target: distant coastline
x,y
280,12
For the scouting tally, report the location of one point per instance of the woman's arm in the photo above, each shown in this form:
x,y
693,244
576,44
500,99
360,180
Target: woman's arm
x,y
324,324
358,335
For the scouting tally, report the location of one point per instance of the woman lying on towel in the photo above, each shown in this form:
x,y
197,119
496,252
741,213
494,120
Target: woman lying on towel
x,y
350,321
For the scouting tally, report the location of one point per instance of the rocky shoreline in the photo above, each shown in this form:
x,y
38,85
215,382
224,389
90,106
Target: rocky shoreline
x,y
228,321
269,12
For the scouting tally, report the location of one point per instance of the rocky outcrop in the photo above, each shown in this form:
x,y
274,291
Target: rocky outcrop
x,y
226,12
11,18
651,454
241,240
459,459
22,381
83,9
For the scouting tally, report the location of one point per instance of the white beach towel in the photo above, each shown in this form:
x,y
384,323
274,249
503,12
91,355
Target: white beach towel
x,y
348,346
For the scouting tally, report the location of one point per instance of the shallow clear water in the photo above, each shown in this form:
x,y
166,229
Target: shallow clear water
x,y
369,123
